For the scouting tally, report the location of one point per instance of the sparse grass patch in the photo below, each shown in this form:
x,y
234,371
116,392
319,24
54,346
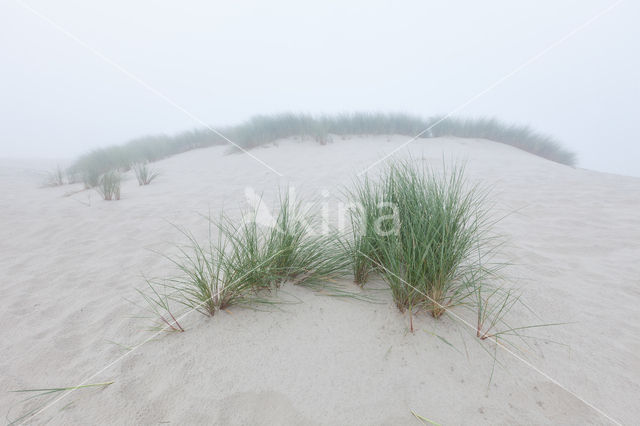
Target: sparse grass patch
x,y
90,177
243,262
426,233
299,253
492,305
144,173
160,307
522,137
282,247
109,185
55,177
210,278
42,392
73,177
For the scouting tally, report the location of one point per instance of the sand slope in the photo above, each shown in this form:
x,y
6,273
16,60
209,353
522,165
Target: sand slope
x,y
68,263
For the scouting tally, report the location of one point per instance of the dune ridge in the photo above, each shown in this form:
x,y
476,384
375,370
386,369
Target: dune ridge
x,y
69,259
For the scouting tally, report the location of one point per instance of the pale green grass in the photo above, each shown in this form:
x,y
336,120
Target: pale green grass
x,y
109,185
425,232
430,236
242,262
55,177
261,130
211,279
42,392
145,174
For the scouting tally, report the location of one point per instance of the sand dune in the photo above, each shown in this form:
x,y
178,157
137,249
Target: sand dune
x,y
69,261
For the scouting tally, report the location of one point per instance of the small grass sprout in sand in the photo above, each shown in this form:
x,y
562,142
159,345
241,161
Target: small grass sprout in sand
x,y
160,307
492,305
42,392
55,177
109,185
144,173
299,253
423,420
429,252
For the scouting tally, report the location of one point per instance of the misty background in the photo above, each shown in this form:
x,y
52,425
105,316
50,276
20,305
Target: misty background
x,y
224,62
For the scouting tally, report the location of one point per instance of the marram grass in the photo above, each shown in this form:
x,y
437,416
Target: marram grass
x,y
242,262
144,173
261,130
109,185
55,177
427,233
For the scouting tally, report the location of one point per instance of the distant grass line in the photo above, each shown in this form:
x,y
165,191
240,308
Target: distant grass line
x,y
261,130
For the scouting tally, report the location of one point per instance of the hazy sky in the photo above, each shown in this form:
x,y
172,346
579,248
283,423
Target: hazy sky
x,y
226,61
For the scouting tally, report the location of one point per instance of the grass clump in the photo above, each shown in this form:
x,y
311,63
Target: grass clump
x,y
425,232
144,173
55,177
282,246
363,247
243,262
210,279
294,250
109,185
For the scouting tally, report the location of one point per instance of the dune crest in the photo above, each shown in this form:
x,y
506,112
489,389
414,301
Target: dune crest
x,y
70,259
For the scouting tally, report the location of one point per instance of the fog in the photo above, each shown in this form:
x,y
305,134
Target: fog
x,y
77,75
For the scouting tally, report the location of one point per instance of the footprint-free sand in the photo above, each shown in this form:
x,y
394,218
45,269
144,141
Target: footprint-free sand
x,y
70,264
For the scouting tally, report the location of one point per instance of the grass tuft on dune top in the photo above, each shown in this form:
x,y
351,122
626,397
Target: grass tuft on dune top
x,y
426,233
243,261
518,136
261,130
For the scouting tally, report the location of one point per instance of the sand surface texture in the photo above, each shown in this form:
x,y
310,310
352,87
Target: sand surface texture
x,y
70,261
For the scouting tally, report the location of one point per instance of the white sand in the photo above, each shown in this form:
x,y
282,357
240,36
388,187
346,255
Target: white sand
x,y
67,265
